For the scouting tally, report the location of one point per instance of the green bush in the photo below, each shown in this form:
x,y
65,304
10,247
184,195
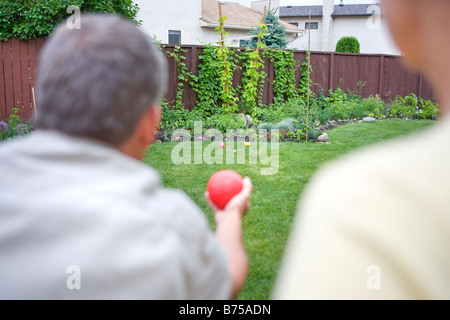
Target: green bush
x,y
430,110
348,45
14,127
344,110
37,19
224,122
373,107
414,107
272,113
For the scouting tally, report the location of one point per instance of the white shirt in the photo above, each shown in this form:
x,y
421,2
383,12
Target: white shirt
x,y
79,220
375,225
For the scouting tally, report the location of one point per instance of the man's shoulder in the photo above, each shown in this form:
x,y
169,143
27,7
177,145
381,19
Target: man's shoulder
x,y
410,156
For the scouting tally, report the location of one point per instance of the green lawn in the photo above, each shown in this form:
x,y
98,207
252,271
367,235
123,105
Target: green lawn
x,y
274,200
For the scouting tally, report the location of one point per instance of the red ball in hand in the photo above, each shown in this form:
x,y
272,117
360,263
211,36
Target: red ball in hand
x,y
223,186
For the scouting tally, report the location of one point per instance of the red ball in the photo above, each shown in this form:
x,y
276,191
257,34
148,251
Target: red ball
x,y
223,186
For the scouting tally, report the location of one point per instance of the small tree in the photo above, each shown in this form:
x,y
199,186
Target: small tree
x,y
348,45
37,19
276,38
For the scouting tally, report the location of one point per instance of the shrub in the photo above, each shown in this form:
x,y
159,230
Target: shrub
x,y
14,127
348,45
272,113
430,110
345,110
37,19
224,122
372,106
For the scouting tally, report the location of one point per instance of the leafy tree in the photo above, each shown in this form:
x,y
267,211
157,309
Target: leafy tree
x,y
348,45
276,38
25,19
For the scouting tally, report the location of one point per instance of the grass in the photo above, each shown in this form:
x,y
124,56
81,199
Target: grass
x,y
274,201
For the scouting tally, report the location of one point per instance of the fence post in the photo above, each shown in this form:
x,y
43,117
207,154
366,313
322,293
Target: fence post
x,y
420,84
380,84
331,74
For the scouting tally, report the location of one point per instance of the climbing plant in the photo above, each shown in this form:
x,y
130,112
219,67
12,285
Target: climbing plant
x,y
253,75
284,84
228,94
208,86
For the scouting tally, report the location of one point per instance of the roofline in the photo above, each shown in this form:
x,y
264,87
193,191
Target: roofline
x,y
321,15
205,24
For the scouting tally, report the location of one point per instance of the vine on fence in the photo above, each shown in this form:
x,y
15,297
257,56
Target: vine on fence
x,y
214,87
228,95
253,74
284,84
208,86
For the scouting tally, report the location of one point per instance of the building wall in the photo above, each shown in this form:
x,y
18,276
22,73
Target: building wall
x,y
372,38
376,39
316,34
158,17
210,36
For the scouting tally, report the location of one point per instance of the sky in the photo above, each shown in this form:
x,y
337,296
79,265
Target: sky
x,y
306,2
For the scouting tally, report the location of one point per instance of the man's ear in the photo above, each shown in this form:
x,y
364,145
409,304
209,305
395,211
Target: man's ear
x,y
149,124
407,30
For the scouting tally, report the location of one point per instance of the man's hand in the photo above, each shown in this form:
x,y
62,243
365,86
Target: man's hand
x,y
229,234
239,203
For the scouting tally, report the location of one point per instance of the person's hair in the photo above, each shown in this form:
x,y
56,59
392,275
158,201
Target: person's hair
x,y
98,81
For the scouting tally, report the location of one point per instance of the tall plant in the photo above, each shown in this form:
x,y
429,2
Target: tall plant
x,y
253,73
229,98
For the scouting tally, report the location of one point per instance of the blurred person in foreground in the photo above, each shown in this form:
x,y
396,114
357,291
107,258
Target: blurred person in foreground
x,y
383,229
81,217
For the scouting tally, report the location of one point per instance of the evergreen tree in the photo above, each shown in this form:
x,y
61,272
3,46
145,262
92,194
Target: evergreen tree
x,y
277,33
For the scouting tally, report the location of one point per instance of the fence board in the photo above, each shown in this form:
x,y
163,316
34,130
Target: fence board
x,y
33,60
8,74
362,74
17,76
3,109
25,76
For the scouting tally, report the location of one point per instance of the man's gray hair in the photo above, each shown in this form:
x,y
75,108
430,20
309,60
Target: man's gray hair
x,y
98,81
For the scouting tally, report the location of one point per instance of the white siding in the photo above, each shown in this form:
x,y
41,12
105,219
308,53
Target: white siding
x,y
316,34
376,40
158,17
372,40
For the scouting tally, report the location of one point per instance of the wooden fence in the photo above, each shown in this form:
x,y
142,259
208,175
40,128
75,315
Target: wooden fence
x,y
18,76
364,74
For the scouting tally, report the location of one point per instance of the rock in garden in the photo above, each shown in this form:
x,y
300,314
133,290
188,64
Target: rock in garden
x,y
249,120
369,119
323,138
241,115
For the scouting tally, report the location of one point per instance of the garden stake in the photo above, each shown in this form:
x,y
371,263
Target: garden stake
x,y
222,34
34,102
309,66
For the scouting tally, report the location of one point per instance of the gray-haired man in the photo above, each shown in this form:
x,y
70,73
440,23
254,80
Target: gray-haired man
x,y
80,215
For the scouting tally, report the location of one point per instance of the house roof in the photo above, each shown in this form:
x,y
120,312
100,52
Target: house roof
x,y
238,17
317,11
